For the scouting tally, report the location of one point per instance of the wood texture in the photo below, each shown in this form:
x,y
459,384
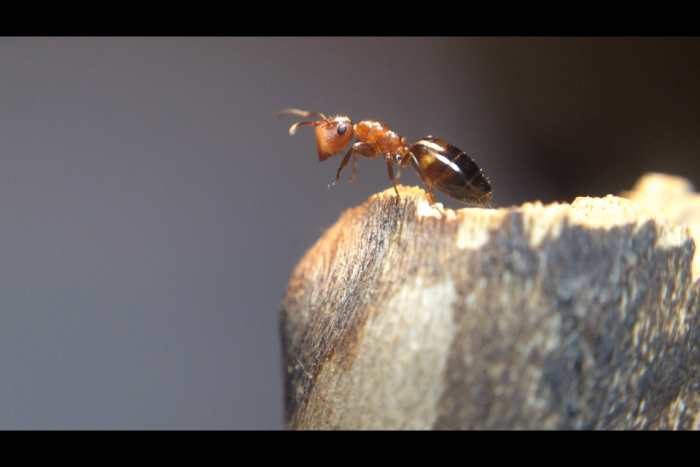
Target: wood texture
x,y
581,316
670,197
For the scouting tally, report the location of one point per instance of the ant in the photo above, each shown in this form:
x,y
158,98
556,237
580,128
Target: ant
x,y
439,164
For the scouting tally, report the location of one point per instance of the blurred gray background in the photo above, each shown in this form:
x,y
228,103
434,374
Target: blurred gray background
x,y
152,208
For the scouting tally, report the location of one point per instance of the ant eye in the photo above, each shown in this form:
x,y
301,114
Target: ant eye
x,y
342,128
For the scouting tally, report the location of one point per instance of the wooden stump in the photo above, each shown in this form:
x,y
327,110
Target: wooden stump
x,y
534,317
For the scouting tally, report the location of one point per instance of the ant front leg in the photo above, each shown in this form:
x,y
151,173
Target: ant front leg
x,y
366,149
343,164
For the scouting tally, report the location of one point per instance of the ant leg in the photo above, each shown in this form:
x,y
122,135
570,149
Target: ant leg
x,y
354,165
421,174
367,150
344,163
431,195
390,165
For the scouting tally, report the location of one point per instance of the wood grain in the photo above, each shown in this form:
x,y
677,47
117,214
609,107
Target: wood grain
x,y
581,316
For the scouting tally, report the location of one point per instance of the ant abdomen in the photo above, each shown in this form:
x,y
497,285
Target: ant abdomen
x,y
451,171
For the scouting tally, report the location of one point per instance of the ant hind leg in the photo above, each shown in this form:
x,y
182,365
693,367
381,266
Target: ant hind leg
x,y
416,166
431,195
390,166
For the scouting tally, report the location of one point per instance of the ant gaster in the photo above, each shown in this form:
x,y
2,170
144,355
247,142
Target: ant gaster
x,y
439,164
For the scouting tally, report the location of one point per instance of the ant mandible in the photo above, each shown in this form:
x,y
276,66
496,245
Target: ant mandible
x,y
439,164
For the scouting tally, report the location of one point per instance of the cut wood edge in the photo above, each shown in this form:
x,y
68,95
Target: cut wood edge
x,y
359,353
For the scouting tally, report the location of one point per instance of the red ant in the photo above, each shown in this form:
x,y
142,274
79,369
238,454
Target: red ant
x,y
439,164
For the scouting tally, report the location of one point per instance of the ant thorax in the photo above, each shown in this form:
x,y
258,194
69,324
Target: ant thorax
x,y
387,141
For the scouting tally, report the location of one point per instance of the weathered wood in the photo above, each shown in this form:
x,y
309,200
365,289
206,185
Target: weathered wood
x,y
673,198
561,316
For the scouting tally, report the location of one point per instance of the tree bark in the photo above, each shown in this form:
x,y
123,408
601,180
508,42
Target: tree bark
x,y
581,316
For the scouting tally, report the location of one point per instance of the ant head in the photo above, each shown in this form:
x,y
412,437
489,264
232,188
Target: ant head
x,y
332,135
